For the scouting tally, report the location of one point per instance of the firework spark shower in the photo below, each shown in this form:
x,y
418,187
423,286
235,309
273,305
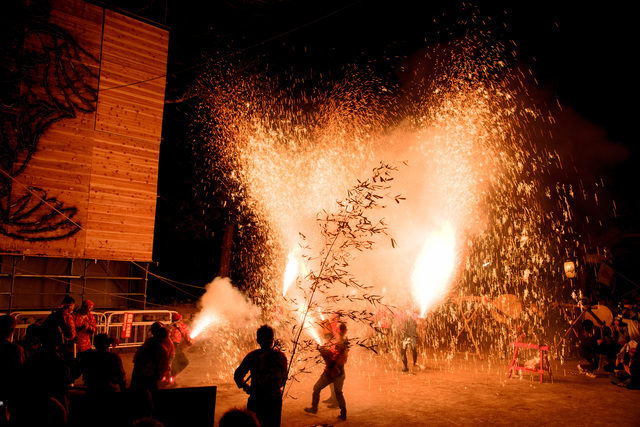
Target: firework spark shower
x,y
481,216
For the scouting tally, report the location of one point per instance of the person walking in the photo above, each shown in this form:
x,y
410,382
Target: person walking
x,y
335,355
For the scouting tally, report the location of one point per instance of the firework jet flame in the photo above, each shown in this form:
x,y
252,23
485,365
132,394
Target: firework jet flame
x,y
295,268
434,268
221,302
479,153
310,327
290,272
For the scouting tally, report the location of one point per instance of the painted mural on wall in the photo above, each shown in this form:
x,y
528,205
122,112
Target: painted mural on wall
x,y
51,77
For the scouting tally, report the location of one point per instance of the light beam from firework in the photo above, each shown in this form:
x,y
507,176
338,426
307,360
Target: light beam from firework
x,y
295,268
222,302
434,267
309,326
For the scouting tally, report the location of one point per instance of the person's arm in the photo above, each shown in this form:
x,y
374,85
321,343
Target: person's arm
x,y
72,327
78,323
241,372
283,369
186,335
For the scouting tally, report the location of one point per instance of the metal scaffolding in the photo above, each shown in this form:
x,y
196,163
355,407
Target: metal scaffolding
x,y
32,283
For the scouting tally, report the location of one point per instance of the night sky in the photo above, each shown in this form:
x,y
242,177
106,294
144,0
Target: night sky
x,y
579,53
582,52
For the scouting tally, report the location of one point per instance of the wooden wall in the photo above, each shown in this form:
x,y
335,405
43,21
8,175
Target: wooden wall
x,y
103,163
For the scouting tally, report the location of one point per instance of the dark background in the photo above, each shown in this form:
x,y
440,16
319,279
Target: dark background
x,y
580,52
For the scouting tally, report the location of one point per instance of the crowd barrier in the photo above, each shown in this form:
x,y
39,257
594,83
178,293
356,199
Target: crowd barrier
x,y
130,327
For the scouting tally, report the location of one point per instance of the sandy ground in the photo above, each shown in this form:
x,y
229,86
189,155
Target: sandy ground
x,y
461,390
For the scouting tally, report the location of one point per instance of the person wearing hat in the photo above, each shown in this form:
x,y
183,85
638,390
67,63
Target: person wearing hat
x,y
179,335
85,323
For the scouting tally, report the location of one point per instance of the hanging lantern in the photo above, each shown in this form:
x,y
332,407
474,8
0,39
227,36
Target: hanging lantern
x,y
569,269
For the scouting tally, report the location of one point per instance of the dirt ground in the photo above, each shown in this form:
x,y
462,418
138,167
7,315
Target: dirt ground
x,y
458,390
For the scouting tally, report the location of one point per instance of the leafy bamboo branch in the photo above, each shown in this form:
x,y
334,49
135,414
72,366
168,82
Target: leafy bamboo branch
x,y
347,230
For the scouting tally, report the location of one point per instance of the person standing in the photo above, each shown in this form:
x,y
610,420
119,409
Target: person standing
x,y
335,355
59,332
267,369
11,362
409,340
152,360
59,325
103,370
179,335
85,323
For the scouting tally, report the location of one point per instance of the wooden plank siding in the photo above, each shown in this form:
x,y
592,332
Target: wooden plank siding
x,y
133,53
103,163
122,198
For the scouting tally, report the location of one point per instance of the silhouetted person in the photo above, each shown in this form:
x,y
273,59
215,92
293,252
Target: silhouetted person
x,y
179,335
11,361
47,373
409,340
60,322
59,328
31,341
147,422
152,361
608,349
335,357
103,371
43,411
268,374
238,418
588,348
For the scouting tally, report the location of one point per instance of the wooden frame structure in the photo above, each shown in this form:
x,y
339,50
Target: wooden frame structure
x,y
82,182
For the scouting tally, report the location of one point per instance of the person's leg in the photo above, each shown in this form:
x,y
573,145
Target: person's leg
x,y
338,384
414,353
322,382
273,413
332,399
179,362
257,407
587,352
403,354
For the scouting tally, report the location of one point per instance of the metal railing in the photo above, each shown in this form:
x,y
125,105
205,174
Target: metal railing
x,y
142,321
108,322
